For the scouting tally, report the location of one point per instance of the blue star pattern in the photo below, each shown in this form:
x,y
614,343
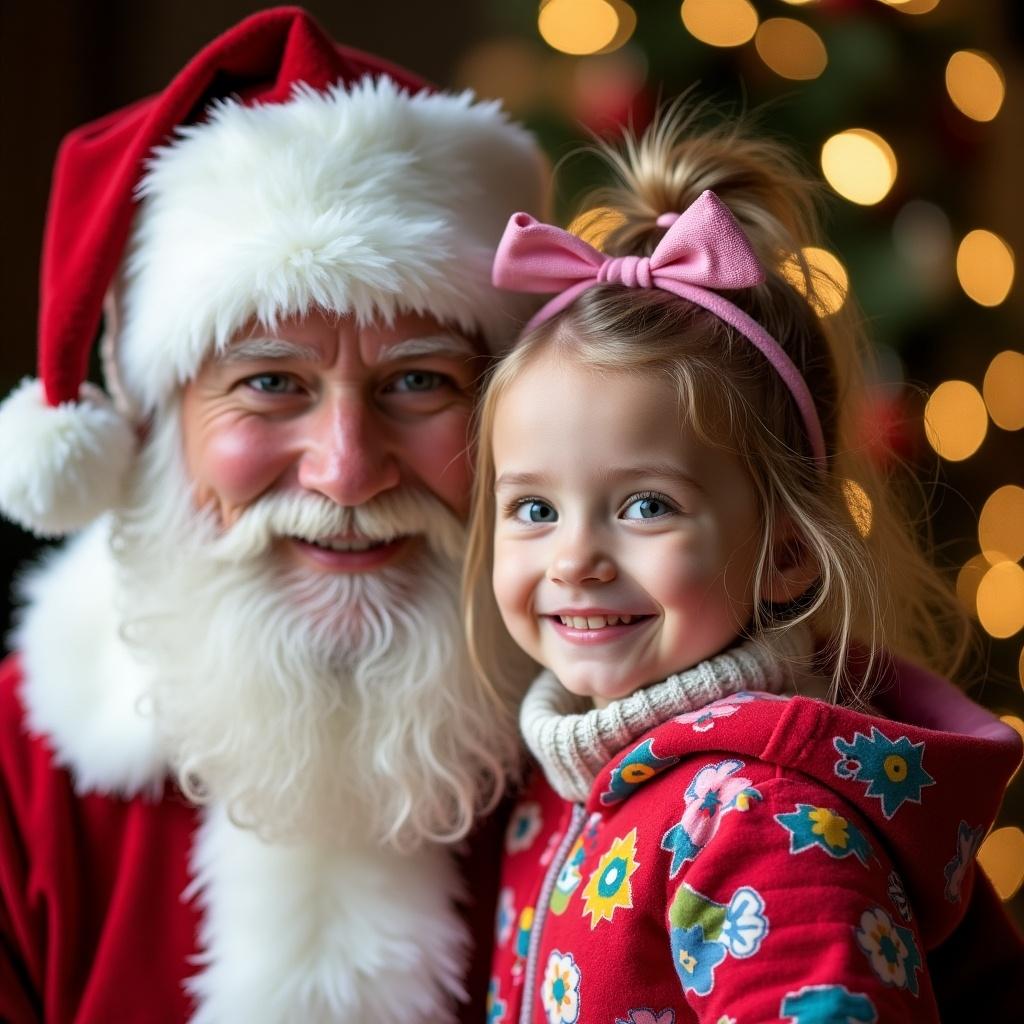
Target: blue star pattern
x,y
894,771
696,959
820,826
827,1004
967,842
639,765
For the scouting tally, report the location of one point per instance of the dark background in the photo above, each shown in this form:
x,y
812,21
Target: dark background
x,y
64,64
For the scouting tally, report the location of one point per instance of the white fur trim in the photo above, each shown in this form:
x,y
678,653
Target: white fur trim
x,y
82,685
62,465
317,934
364,200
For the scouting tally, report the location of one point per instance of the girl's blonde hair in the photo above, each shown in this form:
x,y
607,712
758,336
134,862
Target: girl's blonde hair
x,y
876,590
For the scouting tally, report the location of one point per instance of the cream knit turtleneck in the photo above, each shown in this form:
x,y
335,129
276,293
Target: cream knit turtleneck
x,y
573,744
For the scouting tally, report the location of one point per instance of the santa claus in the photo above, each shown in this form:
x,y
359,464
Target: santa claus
x,y
239,739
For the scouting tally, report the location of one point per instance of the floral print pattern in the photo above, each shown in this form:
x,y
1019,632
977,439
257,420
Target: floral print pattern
x,y
560,992
890,949
637,767
713,791
568,879
648,1016
696,959
505,919
609,887
523,828
827,1004
968,840
496,1006
898,895
811,826
893,769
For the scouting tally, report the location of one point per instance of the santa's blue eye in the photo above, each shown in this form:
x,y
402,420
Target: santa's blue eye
x,y
535,511
271,383
419,380
647,506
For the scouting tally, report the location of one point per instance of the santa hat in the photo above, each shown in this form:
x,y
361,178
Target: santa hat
x,y
276,173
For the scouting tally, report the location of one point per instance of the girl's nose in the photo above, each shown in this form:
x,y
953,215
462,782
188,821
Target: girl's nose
x,y
581,561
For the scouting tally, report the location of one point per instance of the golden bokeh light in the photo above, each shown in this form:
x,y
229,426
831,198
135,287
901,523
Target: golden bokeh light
x,y
1004,390
1001,525
596,224
975,84
1001,600
578,26
859,504
955,420
627,25
829,280
791,48
985,267
912,6
967,581
720,22
1016,724
799,3
860,165
1002,858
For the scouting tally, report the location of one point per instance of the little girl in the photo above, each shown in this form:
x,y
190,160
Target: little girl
x,y
722,829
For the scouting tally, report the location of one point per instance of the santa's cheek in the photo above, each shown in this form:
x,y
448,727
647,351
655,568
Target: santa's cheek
x,y
240,461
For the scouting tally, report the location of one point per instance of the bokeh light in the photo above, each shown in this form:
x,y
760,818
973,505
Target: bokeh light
x,y
829,280
955,420
506,69
967,581
859,504
1001,600
596,224
912,6
1001,525
578,26
860,165
720,22
975,84
1002,858
985,267
1003,389
791,48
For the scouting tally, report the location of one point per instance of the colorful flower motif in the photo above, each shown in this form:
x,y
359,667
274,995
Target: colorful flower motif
x,y
523,935
704,719
496,1007
560,992
609,887
898,895
554,841
967,842
696,959
725,1020
568,879
890,949
648,1016
523,828
827,1004
893,771
636,768
740,926
818,826
713,791
506,917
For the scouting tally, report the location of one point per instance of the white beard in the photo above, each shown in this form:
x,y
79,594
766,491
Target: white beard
x,y
309,705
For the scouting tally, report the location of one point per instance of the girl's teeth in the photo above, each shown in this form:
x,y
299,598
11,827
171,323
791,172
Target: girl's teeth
x,y
594,621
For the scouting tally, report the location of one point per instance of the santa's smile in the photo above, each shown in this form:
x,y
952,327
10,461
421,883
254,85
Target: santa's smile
x,y
349,553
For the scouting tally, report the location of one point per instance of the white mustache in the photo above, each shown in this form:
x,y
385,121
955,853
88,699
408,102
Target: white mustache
x,y
397,513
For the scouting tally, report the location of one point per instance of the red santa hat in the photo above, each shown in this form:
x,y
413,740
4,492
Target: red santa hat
x,y
277,172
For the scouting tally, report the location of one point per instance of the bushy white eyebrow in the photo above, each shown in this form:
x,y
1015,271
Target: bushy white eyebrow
x,y
433,345
256,349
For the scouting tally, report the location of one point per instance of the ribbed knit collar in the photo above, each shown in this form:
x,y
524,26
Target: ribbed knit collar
x,y
573,744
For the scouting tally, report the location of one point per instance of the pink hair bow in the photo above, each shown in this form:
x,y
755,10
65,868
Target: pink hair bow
x,y
703,252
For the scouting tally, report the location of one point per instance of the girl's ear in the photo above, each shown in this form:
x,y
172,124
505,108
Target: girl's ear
x,y
794,568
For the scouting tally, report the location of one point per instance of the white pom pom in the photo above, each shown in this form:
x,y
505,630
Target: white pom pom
x,y
60,466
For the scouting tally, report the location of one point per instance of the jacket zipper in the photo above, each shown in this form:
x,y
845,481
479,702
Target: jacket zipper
x,y
572,833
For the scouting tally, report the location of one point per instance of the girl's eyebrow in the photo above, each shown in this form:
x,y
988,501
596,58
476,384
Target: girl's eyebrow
x,y
256,349
521,480
664,470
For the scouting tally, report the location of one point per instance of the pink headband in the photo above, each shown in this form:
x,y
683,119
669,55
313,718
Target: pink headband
x,y
703,251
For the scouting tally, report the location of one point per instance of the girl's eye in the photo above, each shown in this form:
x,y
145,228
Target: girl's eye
x,y
535,511
271,383
419,380
647,506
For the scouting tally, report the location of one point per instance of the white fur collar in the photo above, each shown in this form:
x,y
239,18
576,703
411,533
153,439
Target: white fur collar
x,y
289,932
82,684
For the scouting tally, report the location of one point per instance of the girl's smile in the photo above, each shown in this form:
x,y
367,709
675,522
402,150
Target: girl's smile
x,y
625,545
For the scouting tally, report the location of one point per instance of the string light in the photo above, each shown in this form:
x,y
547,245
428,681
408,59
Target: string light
x,y
720,22
829,280
1001,525
578,26
985,267
975,84
1004,390
791,48
596,224
1002,859
860,165
1001,600
955,420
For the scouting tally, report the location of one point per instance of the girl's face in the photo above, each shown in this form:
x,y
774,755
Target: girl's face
x,y
624,547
